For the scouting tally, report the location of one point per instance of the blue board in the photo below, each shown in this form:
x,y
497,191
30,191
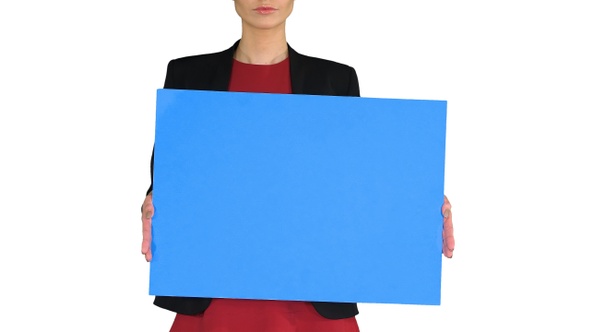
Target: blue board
x,y
298,197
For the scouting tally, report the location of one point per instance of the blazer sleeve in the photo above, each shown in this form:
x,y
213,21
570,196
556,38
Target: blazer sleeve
x,y
167,83
353,84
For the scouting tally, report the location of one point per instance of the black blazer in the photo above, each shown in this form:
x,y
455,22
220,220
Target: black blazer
x,y
311,76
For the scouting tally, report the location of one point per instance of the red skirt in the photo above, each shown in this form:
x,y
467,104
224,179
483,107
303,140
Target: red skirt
x,y
227,315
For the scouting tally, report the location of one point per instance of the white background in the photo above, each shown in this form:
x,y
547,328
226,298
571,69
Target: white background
x,y
78,82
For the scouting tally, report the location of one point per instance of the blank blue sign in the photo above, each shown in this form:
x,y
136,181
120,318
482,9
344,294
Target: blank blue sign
x,y
298,197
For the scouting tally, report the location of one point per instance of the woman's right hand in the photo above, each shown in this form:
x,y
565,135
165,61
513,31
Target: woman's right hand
x,y
147,212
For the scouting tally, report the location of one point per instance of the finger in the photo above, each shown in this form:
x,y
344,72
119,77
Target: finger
x,y
448,235
148,212
146,225
146,221
448,238
446,207
447,252
448,246
147,207
446,201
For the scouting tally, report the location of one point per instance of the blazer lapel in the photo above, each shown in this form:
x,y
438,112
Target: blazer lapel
x,y
223,75
297,69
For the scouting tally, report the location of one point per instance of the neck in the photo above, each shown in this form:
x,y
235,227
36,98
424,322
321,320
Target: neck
x,y
262,47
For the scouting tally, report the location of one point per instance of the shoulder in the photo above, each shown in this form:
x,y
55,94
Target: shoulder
x,y
207,60
199,62
201,72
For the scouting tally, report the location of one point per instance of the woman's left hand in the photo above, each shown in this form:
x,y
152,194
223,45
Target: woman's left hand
x,y
448,237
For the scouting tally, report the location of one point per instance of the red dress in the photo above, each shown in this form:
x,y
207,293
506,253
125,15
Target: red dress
x,y
233,315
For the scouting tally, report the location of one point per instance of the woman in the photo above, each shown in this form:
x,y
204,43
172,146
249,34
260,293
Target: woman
x,y
262,61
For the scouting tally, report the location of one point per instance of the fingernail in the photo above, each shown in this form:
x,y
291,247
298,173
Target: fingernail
x,y
446,214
